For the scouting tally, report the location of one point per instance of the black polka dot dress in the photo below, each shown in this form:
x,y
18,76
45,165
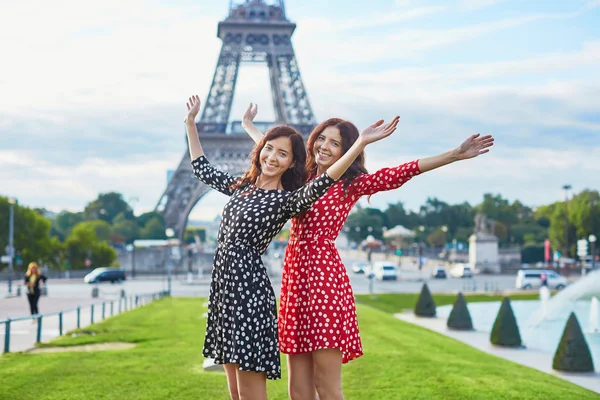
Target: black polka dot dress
x,y
242,316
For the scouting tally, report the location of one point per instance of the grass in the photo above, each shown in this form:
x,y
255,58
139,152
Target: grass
x,y
401,361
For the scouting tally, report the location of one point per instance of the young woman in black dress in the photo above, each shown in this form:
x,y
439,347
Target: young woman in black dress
x,y
241,330
33,277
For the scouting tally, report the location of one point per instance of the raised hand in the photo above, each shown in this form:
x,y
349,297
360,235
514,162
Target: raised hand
x,y
193,106
475,145
378,131
250,113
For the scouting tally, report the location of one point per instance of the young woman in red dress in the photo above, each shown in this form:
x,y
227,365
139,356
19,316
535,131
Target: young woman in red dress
x,y
318,329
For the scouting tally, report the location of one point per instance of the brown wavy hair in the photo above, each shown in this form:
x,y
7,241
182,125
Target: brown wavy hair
x,y
349,134
291,179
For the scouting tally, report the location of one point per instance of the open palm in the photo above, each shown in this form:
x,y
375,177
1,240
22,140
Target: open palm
x,y
250,113
193,106
475,145
379,130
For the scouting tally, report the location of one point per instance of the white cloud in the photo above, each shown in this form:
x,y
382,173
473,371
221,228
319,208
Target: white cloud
x,y
115,76
40,184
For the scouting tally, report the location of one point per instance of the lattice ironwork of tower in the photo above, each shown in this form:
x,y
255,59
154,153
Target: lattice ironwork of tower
x,y
256,31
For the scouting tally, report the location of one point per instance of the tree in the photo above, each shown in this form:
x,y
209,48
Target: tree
x,y
557,229
573,353
128,229
100,228
528,232
83,243
425,306
64,222
505,331
497,208
437,238
143,219
460,318
32,238
501,231
584,213
396,214
153,229
358,223
107,206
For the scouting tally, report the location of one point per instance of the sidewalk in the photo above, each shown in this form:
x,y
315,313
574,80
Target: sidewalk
x,y
24,333
535,359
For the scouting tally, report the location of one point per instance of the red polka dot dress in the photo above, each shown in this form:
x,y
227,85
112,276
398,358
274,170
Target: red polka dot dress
x,y
317,308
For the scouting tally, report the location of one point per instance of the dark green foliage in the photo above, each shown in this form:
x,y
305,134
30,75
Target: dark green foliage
x,y
573,353
459,318
425,305
506,331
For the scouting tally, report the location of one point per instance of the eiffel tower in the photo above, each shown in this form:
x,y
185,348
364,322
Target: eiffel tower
x,y
254,32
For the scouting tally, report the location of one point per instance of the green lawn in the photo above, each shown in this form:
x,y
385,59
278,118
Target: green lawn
x,y
401,361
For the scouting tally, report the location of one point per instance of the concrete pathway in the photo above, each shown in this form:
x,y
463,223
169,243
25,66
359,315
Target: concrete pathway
x,y
542,361
23,334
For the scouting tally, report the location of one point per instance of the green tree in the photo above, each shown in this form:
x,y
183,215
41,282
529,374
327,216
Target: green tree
x,y
107,206
497,208
358,224
558,236
127,229
146,217
32,238
584,213
64,222
153,229
83,243
396,214
437,238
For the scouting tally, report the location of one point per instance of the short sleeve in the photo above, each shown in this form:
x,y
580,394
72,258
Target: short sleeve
x,y
211,176
302,199
385,179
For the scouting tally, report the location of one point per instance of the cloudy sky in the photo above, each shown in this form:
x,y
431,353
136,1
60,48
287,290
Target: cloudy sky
x,y
93,92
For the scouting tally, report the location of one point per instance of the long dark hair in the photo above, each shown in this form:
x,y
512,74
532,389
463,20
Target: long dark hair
x,y
349,134
291,179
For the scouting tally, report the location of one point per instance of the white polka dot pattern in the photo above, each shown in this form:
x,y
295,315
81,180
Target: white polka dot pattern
x,y
317,309
242,317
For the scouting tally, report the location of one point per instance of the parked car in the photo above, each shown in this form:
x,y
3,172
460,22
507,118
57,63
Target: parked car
x,y
461,271
111,275
439,273
532,279
384,270
360,268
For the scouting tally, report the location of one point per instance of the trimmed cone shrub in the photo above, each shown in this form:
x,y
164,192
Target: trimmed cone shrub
x,y
506,331
425,305
573,353
459,318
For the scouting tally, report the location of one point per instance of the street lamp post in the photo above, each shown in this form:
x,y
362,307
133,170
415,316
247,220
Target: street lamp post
x,y
592,238
11,247
566,188
170,233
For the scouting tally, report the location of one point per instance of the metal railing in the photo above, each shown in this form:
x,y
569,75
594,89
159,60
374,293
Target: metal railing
x,y
124,304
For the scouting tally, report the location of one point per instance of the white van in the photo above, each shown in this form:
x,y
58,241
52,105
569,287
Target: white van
x,y
384,270
532,279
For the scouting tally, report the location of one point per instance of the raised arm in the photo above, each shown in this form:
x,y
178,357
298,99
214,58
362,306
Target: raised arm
x,y
474,146
373,133
202,169
247,124
193,106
